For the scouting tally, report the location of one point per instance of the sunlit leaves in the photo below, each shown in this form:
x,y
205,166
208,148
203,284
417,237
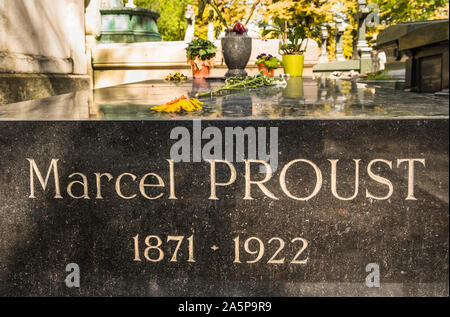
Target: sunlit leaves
x,y
312,14
309,14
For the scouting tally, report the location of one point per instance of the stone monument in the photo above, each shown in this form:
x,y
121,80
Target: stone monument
x,y
323,37
418,53
355,203
211,26
93,19
190,28
367,16
128,24
42,48
339,32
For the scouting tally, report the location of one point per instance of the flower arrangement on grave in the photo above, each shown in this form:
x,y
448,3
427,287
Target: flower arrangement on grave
x,y
292,47
250,82
267,64
239,28
200,54
231,84
175,77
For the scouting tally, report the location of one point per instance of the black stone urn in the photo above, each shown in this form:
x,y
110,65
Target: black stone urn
x,y
237,49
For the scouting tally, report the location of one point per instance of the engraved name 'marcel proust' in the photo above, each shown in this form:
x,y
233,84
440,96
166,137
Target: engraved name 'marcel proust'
x,y
152,186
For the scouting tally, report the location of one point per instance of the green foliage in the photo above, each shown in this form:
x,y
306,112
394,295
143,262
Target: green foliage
x,y
347,40
271,62
395,11
378,75
225,14
309,15
296,37
312,14
305,15
176,77
202,49
249,82
293,37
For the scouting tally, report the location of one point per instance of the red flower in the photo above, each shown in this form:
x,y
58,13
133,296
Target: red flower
x,y
239,28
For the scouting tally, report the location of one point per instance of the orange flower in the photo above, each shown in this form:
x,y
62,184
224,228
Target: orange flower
x,y
179,104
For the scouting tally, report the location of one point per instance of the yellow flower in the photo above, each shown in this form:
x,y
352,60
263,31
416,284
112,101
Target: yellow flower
x,y
179,104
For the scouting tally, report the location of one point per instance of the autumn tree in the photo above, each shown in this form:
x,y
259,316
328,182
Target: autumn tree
x,y
172,23
396,11
315,13
231,11
310,14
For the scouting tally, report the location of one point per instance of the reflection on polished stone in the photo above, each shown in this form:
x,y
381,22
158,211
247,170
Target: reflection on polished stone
x,y
239,105
294,88
72,106
301,98
200,84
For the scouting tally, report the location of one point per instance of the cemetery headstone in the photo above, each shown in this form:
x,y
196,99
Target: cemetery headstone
x,y
323,58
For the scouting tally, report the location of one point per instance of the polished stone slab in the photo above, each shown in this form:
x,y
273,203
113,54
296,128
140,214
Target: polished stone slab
x,y
304,99
126,244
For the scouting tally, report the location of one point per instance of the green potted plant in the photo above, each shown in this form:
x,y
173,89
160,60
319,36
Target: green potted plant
x,y
200,54
267,64
292,46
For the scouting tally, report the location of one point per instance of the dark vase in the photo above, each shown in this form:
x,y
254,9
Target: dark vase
x,y
237,49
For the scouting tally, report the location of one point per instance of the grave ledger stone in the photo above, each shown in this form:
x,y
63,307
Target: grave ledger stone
x,y
352,207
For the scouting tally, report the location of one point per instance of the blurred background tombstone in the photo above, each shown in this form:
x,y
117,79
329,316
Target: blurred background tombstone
x,y
190,18
211,26
339,32
324,37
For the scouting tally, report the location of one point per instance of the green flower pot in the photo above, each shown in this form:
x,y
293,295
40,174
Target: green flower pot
x,y
293,65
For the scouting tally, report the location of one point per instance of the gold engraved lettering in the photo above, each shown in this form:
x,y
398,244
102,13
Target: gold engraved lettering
x,y
180,240
54,167
98,177
153,247
248,180
84,183
304,246
272,259
317,188
142,185
410,175
118,189
213,195
171,180
334,177
259,251
379,179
